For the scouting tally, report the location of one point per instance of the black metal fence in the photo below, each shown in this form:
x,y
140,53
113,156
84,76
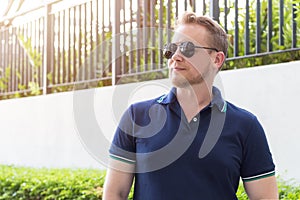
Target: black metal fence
x,y
59,46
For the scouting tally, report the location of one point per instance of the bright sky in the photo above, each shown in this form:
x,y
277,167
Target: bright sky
x,y
2,7
26,5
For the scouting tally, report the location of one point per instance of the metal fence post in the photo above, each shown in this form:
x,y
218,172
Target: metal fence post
x,y
116,53
48,30
215,10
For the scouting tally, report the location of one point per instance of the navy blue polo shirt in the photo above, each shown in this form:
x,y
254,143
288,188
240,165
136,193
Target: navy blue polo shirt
x,y
201,159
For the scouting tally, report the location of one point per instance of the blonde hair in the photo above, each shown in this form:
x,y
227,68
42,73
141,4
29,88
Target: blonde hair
x,y
217,37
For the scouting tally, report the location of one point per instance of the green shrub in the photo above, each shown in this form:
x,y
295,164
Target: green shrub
x,y
17,183
288,190
21,183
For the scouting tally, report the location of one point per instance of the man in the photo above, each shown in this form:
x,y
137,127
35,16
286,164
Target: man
x,y
190,144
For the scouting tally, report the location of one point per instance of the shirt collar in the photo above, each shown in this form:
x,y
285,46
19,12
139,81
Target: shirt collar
x,y
216,101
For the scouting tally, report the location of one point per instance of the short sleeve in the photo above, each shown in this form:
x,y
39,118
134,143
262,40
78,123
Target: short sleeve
x,y
257,159
123,143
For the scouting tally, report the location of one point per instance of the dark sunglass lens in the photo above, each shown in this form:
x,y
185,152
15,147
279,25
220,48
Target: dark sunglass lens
x,y
187,49
167,54
169,50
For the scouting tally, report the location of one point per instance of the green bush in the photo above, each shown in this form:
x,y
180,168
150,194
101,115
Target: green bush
x,y
20,183
288,190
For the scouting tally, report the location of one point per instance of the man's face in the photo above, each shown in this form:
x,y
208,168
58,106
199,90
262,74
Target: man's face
x,y
186,71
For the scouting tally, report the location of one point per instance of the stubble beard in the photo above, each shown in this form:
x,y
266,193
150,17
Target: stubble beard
x,y
183,82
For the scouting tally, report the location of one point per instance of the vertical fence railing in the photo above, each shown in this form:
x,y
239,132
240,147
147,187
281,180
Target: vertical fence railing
x,y
281,22
294,23
116,60
247,29
47,48
99,42
236,29
258,28
270,26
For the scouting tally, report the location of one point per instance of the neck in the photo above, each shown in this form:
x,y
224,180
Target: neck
x,y
194,98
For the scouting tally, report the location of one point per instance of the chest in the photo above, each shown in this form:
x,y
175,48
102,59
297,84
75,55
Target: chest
x,y
178,144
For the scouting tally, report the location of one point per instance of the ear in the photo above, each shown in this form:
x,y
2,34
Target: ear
x,y
219,60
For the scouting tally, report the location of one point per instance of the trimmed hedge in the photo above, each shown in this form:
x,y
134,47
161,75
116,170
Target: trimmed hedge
x,y
21,183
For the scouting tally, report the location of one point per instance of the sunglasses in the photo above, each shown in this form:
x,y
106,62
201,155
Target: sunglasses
x,y
186,48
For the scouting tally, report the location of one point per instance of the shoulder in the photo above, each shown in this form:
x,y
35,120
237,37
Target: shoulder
x,y
164,99
242,119
239,113
146,104
142,112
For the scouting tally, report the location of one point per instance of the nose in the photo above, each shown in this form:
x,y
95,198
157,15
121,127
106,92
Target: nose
x,y
177,55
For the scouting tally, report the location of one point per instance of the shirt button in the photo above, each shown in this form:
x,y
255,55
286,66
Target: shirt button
x,y
195,119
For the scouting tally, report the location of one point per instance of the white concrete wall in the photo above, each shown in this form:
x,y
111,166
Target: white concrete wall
x,y
273,94
64,130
